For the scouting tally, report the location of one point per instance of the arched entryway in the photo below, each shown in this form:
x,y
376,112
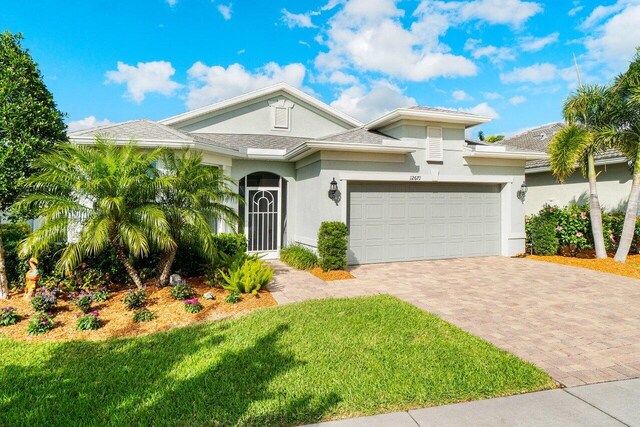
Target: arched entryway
x,y
264,211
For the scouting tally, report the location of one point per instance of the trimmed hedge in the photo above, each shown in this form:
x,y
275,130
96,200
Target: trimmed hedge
x,y
298,256
332,245
543,236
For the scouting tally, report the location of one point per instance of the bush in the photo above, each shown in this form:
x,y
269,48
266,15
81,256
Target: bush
x,y
182,291
232,298
135,299
250,277
298,256
101,295
88,321
40,323
12,235
192,306
332,245
45,299
143,315
8,316
83,300
230,251
543,236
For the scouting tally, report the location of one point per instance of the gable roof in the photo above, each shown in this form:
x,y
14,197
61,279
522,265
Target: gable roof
x,y
139,130
359,135
428,114
280,87
237,142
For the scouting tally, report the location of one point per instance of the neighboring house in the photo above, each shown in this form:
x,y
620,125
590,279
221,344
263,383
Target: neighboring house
x,y
407,183
613,179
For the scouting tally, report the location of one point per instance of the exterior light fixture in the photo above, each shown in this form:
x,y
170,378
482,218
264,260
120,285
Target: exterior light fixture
x,y
522,192
333,189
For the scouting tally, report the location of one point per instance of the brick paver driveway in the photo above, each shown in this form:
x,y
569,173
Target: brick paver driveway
x,y
581,326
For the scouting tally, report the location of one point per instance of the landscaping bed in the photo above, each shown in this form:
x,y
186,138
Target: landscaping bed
x,y
329,276
629,269
116,321
286,365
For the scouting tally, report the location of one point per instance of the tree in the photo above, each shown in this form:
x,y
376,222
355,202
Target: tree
x,y
481,135
494,138
624,133
29,123
576,144
107,194
191,196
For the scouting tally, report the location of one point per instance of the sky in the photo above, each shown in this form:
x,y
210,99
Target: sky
x,y
512,60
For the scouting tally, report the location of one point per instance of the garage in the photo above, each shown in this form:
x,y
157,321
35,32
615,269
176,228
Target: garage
x,y
419,221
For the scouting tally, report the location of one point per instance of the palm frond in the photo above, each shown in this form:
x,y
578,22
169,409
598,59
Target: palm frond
x,y
566,149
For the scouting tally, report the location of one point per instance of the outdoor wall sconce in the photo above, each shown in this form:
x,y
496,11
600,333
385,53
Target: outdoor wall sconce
x,y
522,192
333,189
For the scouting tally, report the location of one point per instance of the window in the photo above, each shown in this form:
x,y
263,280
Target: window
x,y
434,144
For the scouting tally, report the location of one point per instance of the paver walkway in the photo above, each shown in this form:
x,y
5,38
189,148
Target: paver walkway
x,y
581,326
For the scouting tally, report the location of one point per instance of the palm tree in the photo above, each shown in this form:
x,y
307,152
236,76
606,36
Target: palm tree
x,y
191,196
624,134
106,194
576,144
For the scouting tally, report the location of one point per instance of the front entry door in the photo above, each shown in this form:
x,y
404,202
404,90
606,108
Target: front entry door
x,y
263,218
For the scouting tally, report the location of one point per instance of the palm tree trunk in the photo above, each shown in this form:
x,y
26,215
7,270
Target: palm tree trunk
x,y
164,268
595,211
629,227
131,270
4,281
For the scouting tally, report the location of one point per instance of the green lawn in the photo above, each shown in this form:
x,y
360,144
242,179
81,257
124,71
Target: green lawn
x,y
285,365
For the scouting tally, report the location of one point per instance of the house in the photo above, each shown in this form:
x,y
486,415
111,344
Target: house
x,y
614,175
407,184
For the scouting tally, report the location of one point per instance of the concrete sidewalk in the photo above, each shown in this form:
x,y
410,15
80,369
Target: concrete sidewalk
x,y
614,403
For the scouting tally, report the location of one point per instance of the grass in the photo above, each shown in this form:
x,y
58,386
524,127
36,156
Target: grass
x,y
629,269
284,365
298,256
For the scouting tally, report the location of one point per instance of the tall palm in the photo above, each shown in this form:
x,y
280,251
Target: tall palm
x,y
106,194
624,133
576,144
192,195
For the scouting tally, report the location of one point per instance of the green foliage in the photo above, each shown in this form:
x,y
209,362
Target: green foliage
x,y
12,235
332,245
249,277
182,291
143,315
135,299
45,299
567,149
233,298
100,295
192,306
40,323
89,321
298,256
83,300
543,236
494,138
8,316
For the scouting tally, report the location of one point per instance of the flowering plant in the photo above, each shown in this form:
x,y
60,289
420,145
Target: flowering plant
x,y
182,291
39,324
83,300
135,299
143,315
101,295
45,299
192,305
88,321
8,316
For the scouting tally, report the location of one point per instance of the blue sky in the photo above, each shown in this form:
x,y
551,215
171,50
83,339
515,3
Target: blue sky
x,y
110,61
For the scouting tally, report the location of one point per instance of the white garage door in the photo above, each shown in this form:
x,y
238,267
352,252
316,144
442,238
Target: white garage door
x,y
416,221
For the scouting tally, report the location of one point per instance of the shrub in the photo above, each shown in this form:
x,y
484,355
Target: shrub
x,y
8,316
88,321
250,277
332,245
298,256
192,306
232,298
143,315
12,235
45,299
135,299
543,236
83,300
101,295
182,291
39,324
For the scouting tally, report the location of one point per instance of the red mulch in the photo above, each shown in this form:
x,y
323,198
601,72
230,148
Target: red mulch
x,y
117,321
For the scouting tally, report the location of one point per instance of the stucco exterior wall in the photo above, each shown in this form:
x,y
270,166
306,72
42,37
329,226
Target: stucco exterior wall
x,y
614,184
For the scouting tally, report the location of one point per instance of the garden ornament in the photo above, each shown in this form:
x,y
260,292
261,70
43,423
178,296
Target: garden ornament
x,y
31,278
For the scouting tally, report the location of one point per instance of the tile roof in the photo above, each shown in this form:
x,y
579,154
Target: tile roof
x,y
358,135
441,110
136,130
236,141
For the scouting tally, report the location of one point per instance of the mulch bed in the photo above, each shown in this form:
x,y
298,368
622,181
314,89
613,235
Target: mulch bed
x,y
329,276
630,269
117,321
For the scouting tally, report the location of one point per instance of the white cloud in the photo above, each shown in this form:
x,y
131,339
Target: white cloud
x,y
225,11
601,13
293,20
537,73
497,55
368,36
340,78
615,41
482,109
212,84
144,78
87,123
460,95
304,43
172,3
516,100
534,44
491,96
382,98
509,12
241,51
575,10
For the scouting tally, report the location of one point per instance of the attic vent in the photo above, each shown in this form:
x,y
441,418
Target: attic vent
x,y
281,118
434,144
281,114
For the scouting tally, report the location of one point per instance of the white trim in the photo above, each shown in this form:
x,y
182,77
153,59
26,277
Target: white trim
x,y
602,162
428,115
416,177
284,87
501,153
311,147
505,217
517,235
